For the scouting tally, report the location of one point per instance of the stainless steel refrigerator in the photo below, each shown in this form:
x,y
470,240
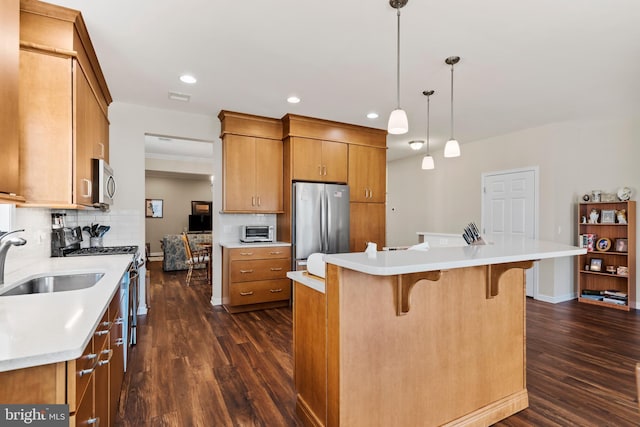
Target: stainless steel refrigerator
x,y
320,220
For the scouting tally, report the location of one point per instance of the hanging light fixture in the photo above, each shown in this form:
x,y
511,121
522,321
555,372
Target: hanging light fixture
x,y
452,148
427,161
416,144
398,122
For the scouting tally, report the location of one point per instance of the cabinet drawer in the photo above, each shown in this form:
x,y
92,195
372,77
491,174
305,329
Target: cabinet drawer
x,y
260,253
79,374
260,291
261,269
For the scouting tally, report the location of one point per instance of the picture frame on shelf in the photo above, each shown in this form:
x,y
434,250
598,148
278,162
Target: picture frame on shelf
x,y
595,265
608,216
622,245
153,208
603,244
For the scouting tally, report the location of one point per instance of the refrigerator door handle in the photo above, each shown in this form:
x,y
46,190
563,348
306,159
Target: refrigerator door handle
x,y
323,222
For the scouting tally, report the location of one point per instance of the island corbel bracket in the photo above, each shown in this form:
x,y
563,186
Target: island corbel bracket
x,y
406,282
495,271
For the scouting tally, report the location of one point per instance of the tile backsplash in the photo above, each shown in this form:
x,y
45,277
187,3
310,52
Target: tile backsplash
x,y
125,226
229,227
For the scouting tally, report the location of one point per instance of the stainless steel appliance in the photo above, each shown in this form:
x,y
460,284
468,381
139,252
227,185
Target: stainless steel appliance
x,y
103,184
320,220
256,233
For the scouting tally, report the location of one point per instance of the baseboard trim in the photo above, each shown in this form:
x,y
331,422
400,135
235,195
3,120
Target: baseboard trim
x,y
556,300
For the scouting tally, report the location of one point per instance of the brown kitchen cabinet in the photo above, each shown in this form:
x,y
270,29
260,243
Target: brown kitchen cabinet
x,y
255,278
367,173
90,384
9,66
319,160
367,224
63,107
252,174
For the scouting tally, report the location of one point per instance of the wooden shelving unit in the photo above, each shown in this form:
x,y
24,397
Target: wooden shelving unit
x,y
602,280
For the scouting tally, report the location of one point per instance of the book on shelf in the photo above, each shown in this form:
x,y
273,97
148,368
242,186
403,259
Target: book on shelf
x,y
592,297
615,293
617,301
592,292
588,240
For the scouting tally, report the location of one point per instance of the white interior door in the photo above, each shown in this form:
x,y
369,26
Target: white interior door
x,y
509,207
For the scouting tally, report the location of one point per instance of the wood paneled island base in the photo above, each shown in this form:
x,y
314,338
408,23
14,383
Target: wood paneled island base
x,y
456,358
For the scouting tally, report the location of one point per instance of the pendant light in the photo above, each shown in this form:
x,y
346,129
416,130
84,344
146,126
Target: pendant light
x,y
427,161
398,122
452,148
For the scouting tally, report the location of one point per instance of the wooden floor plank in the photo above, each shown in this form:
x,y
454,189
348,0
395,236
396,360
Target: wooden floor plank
x,y
197,365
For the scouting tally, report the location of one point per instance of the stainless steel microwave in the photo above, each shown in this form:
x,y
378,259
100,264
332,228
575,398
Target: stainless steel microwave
x,y
256,233
103,184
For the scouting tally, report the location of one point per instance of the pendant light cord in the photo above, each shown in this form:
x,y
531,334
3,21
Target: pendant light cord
x,y
451,101
398,63
428,104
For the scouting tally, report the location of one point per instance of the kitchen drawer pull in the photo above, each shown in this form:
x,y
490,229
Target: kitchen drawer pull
x,y
104,362
276,268
84,372
95,421
119,321
246,253
275,253
246,294
324,170
90,356
101,333
275,291
119,342
258,200
253,200
320,170
246,271
107,324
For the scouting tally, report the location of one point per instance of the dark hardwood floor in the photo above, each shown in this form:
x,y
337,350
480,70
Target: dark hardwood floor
x,y
196,365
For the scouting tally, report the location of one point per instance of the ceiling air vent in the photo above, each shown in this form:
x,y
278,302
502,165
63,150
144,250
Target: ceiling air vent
x,y
176,96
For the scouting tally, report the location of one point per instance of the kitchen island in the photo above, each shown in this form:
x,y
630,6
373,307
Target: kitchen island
x,y
428,338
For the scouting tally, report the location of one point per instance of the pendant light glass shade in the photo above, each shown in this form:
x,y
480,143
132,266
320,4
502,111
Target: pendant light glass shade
x,y
452,148
398,122
427,162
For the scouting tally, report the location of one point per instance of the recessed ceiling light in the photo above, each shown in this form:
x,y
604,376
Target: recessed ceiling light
x,y
179,96
293,100
186,78
372,115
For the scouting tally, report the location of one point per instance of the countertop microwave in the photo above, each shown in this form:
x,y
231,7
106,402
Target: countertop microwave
x,y
256,233
103,184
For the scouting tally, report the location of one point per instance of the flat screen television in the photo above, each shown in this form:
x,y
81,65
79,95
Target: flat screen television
x,y
199,222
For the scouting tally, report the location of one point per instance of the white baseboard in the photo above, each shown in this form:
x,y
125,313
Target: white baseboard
x,y
216,301
556,300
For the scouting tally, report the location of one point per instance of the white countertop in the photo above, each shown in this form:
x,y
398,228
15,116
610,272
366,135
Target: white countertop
x,y
46,328
308,280
501,250
236,245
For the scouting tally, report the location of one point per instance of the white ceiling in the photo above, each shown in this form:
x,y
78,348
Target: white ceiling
x,y
524,64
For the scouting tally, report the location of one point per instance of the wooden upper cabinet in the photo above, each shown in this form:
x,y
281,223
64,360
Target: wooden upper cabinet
x,y
367,174
252,174
9,65
252,163
317,160
63,107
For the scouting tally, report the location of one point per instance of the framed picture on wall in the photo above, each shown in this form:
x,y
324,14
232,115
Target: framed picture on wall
x,y
200,208
153,208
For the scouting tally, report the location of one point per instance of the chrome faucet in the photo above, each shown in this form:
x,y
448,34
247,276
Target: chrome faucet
x,y
4,248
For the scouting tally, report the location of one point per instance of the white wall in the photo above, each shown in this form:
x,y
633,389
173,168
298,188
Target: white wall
x,y
129,123
573,158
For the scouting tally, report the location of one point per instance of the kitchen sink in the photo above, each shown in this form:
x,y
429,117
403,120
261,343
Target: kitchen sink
x,y
55,283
